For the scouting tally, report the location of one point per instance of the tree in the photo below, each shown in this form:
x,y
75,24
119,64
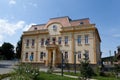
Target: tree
x,y
8,50
19,48
85,69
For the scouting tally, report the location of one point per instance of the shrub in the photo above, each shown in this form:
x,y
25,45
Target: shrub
x,y
25,72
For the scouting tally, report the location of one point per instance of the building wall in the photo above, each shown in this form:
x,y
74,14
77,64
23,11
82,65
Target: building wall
x,y
72,32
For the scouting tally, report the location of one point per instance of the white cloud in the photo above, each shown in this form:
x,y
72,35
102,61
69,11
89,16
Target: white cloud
x,y
9,28
28,26
12,2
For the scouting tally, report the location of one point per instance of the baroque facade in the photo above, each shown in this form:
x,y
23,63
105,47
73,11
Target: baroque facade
x,y
44,43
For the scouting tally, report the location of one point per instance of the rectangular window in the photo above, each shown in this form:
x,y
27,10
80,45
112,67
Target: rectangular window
x,y
54,40
66,55
79,55
27,42
86,39
59,40
79,39
26,56
31,56
33,42
41,55
47,42
66,40
42,41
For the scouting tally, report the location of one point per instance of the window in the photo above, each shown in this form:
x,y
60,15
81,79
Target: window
x,y
26,56
54,27
33,42
35,28
27,42
59,40
31,56
42,41
86,54
41,55
66,40
79,55
47,42
81,22
86,39
79,39
54,39
66,55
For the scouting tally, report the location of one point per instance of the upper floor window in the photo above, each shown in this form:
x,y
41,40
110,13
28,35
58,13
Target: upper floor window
x,y
79,54
54,27
86,39
66,40
66,55
59,40
81,22
47,42
54,40
27,42
31,56
79,39
35,28
33,42
42,41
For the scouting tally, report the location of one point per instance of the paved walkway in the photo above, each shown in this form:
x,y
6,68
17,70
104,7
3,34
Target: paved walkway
x,y
70,76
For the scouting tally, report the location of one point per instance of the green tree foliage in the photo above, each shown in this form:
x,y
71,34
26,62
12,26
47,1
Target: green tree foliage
x,y
85,69
19,48
8,50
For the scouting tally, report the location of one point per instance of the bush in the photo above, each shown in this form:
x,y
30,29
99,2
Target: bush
x,y
2,76
25,72
107,74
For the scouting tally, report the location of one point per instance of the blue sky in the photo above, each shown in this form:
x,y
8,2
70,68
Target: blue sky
x,y
16,16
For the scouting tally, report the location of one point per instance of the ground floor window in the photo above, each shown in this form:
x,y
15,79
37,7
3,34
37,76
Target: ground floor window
x,y
31,56
79,55
26,56
41,55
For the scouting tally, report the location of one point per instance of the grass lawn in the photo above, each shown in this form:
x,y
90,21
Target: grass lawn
x,y
46,76
106,78
96,77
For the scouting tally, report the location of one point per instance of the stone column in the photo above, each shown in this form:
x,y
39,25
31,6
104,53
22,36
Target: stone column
x,y
54,56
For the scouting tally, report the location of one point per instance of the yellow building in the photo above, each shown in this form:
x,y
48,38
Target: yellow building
x,y
44,43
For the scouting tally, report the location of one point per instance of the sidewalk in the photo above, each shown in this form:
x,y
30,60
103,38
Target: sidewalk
x,y
70,76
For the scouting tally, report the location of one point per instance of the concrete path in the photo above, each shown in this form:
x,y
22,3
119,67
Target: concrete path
x,y
70,76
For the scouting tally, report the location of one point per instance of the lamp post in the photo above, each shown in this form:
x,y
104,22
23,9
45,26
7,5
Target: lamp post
x,y
62,63
75,62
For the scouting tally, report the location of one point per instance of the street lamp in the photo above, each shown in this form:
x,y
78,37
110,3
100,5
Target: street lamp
x,y
75,62
62,62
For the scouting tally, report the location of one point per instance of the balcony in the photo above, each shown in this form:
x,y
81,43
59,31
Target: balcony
x,y
51,46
